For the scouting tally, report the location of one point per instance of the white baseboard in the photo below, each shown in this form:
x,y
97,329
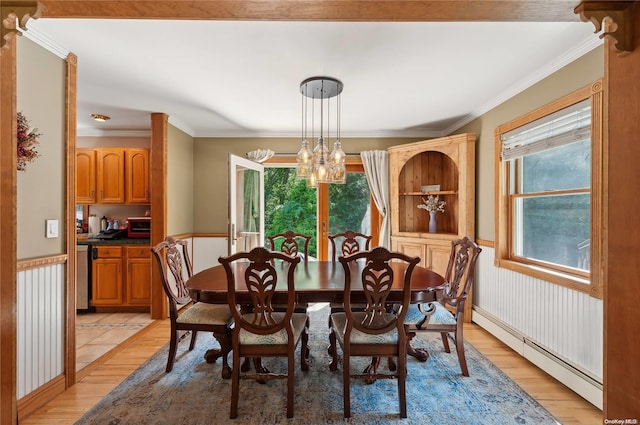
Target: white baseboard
x,y
580,383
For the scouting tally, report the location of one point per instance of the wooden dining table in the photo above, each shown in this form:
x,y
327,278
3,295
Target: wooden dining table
x,y
315,281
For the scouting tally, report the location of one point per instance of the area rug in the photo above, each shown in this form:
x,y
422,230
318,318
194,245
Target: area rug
x,y
437,393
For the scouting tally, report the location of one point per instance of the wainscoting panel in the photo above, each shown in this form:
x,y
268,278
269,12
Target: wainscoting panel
x,y
567,324
40,325
206,251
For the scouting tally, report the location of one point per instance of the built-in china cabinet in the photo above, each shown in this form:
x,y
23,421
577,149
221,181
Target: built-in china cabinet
x,y
445,169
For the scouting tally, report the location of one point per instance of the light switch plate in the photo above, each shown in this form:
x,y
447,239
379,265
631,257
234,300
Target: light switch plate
x,y
51,228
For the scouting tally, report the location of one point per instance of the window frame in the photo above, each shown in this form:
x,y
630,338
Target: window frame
x,y
592,281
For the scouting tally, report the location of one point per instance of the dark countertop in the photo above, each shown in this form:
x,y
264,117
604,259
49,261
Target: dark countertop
x,y
122,241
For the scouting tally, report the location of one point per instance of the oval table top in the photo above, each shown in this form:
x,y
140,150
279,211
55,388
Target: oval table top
x,y
315,281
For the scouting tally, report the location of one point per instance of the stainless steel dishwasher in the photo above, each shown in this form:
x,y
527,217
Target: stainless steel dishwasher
x,y
83,279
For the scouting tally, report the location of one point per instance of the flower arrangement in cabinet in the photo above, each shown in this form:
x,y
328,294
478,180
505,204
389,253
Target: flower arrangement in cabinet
x,y
432,204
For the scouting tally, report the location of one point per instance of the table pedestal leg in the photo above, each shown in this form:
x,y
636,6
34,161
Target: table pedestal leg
x,y
419,353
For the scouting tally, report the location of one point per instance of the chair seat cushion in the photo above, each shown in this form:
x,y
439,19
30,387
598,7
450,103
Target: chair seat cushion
x,y
440,315
298,323
339,325
206,314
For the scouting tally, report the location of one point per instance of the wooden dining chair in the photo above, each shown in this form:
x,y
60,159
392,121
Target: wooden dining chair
x,y
172,254
290,242
260,331
374,332
446,315
347,243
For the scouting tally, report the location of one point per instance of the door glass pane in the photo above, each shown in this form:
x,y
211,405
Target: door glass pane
x,y
289,205
248,212
246,200
349,206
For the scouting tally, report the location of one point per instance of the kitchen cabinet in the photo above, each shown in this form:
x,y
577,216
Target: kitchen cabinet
x,y
106,272
112,176
86,176
137,188
138,282
447,166
121,276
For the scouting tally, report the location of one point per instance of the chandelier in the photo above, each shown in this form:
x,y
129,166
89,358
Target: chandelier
x,y
318,165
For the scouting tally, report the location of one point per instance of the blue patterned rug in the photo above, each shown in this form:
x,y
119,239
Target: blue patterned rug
x,y
194,393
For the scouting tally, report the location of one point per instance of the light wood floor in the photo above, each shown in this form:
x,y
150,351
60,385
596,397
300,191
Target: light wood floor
x,y
100,379
99,333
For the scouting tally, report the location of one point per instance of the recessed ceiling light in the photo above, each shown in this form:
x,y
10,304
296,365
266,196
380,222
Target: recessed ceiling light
x,y
100,117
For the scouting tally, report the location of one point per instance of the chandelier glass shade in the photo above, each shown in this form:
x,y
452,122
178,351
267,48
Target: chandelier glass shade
x,y
318,165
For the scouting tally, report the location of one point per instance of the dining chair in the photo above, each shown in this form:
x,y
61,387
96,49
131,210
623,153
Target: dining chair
x,y
260,331
374,332
172,254
347,243
446,314
290,243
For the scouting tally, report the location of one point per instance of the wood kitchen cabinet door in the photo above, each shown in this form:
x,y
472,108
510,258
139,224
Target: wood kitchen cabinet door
x,y
137,176
138,284
85,176
110,176
107,276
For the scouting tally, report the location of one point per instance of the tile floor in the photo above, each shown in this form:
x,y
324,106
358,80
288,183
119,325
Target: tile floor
x,y
97,333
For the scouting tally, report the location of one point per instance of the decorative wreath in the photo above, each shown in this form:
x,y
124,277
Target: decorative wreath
x,y
27,142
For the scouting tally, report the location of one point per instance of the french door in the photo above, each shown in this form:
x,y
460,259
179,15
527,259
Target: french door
x,y
246,204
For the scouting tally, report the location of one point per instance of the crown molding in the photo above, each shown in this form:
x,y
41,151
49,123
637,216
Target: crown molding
x,y
542,72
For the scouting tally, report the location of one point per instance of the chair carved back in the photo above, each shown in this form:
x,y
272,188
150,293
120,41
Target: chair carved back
x,y
260,273
290,243
352,242
378,276
460,272
172,254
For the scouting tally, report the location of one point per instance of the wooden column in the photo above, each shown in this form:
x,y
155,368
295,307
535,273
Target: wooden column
x,y
159,130
622,270
620,25
8,158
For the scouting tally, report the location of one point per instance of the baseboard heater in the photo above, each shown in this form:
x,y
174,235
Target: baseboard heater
x,y
561,369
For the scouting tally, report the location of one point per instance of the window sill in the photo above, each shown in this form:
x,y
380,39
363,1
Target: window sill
x,y
569,281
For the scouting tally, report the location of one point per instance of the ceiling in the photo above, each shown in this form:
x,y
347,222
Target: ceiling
x,y
241,78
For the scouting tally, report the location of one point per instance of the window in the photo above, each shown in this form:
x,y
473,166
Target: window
x,y
329,209
548,161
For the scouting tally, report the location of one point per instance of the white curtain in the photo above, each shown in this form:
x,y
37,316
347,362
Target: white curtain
x,y
376,168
